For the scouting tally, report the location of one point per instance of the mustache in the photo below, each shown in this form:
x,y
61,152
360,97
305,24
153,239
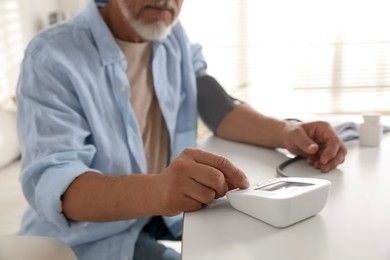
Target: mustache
x,y
163,4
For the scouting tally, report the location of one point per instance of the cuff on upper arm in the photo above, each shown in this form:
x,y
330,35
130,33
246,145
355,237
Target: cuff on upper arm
x,y
213,101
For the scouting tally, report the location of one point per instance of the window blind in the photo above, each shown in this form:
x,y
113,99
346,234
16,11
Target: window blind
x,y
11,46
324,56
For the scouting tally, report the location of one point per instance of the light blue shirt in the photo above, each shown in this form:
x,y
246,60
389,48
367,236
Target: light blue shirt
x,y
74,116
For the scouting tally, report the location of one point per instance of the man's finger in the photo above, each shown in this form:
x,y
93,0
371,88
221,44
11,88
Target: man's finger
x,y
234,176
211,177
306,144
329,152
199,192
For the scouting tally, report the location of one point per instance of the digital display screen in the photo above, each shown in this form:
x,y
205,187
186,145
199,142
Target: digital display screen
x,y
284,185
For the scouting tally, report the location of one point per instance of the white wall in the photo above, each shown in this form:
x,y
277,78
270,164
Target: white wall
x,y
34,16
71,7
36,13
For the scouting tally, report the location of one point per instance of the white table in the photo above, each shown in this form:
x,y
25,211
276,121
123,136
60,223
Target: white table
x,y
14,247
355,223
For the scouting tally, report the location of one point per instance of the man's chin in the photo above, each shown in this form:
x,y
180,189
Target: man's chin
x,y
153,32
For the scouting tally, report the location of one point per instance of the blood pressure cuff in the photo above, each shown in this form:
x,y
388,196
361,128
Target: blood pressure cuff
x,y
213,101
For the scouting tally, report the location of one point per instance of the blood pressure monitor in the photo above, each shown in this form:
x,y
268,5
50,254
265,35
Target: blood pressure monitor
x,y
281,202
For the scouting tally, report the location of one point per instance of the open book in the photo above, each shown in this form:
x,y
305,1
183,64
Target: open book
x,y
350,130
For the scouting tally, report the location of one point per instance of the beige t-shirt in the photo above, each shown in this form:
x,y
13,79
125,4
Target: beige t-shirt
x,y
145,104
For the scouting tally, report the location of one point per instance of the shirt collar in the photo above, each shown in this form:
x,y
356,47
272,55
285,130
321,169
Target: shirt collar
x,y
105,43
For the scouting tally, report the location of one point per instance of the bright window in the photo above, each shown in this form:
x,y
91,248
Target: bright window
x,y
11,46
310,56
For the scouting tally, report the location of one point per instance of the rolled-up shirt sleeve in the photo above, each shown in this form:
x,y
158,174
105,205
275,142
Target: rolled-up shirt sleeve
x,y
53,133
198,60
195,50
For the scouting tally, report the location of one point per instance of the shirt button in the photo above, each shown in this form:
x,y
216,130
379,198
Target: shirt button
x,y
124,64
122,88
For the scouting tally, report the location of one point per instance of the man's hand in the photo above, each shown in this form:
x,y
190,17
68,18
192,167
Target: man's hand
x,y
317,142
193,179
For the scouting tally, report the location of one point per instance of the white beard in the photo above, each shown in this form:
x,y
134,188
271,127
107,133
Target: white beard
x,y
153,31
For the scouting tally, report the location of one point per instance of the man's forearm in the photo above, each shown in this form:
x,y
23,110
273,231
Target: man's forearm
x,y
244,124
95,197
